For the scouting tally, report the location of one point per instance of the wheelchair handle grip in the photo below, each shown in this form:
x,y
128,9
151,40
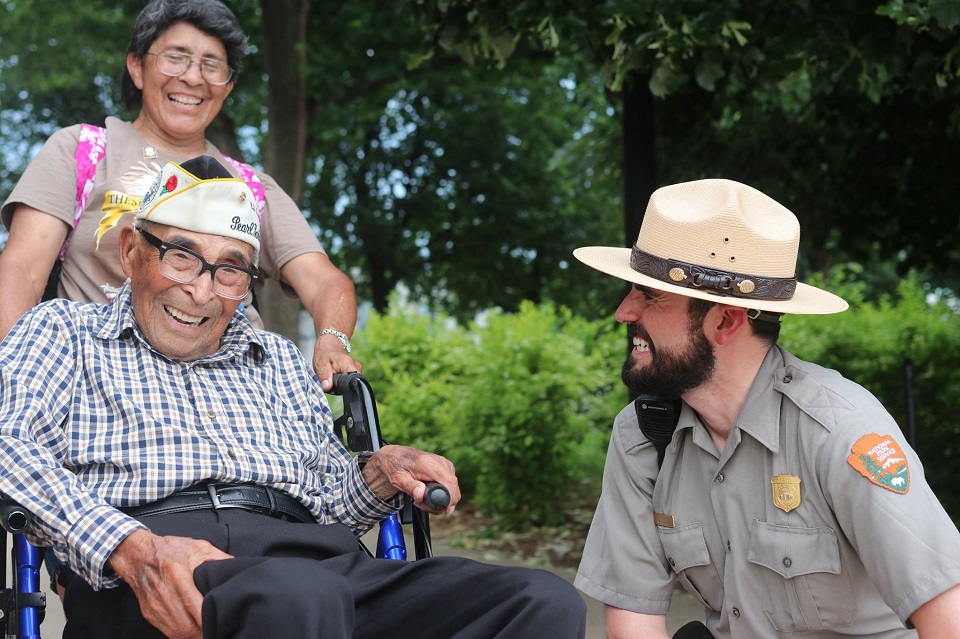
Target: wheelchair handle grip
x,y
436,496
13,517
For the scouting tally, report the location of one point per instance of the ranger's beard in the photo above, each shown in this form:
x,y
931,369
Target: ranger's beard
x,y
670,374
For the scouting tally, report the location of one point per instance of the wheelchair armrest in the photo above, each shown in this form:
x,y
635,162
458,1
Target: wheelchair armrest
x,y
13,517
359,419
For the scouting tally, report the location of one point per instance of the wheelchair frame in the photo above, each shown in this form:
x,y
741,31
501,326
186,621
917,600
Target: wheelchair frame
x,y
22,605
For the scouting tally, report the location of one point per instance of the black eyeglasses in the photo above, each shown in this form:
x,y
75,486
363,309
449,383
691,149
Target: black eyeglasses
x,y
175,64
180,264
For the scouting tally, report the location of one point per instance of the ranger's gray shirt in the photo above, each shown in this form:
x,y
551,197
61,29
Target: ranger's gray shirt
x,y
854,548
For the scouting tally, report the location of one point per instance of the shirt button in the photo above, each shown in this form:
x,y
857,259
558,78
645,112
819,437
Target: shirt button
x,y
672,563
718,479
787,562
736,613
211,414
787,379
232,454
728,545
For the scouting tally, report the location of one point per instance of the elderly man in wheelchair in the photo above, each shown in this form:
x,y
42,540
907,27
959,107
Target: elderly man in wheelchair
x,y
185,466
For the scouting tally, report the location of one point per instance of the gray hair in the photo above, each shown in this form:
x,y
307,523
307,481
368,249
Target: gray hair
x,y
210,16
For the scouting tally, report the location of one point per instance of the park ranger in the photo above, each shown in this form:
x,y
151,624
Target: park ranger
x,y
788,502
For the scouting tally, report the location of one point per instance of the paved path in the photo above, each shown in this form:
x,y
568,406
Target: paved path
x,y
683,609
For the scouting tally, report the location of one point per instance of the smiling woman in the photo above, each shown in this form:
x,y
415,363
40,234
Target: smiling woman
x,y
68,209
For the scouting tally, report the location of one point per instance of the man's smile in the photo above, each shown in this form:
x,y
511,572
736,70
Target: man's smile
x,y
184,318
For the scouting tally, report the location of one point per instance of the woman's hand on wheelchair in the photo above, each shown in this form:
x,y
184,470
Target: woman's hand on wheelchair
x,y
160,572
394,469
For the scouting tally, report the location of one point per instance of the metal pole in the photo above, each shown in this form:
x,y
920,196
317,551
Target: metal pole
x,y
908,387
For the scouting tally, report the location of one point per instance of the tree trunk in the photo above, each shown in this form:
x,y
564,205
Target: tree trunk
x,y
223,133
284,37
639,154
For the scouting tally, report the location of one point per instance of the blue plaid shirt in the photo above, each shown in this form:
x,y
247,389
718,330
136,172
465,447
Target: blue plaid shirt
x,y
93,418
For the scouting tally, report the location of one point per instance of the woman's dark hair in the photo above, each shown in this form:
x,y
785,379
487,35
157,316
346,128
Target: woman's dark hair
x,y
210,16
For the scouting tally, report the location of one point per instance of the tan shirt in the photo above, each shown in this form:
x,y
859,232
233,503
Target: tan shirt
x,y
92,272
844,554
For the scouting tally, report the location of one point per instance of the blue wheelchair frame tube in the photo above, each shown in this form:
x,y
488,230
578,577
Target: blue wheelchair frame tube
x,y
390,542
28,581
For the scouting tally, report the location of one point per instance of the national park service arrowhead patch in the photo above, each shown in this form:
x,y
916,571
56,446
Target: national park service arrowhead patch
x,y
880,459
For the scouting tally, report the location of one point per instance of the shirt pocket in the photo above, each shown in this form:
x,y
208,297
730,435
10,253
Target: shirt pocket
x,y
687,554
804,585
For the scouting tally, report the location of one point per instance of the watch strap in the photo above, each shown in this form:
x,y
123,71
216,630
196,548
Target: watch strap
x,y
344,340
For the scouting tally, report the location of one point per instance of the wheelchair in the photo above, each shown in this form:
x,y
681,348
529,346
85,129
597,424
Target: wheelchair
x,y
22,605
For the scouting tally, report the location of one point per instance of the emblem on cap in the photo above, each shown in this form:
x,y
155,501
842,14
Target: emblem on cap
x,y
677,274
786,492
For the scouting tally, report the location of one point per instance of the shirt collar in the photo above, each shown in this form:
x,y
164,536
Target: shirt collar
x,y
760,415
118,320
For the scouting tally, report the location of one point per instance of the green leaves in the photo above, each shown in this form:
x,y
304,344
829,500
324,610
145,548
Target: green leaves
x,y
516,401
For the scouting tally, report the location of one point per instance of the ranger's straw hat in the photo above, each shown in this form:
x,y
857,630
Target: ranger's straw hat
x,y
721,241
200,195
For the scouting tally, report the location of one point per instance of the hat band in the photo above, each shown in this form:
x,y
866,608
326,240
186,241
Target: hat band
x,y
679,273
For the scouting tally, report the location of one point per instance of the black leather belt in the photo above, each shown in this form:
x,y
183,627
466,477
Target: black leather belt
x,y
258,499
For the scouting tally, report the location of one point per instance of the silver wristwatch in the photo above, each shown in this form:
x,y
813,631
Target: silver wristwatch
x,y
344,340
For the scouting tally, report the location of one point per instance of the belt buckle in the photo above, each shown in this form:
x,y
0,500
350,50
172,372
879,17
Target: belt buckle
x,y
215,499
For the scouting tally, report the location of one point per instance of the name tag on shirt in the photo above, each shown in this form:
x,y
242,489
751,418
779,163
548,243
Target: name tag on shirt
x,y
664,520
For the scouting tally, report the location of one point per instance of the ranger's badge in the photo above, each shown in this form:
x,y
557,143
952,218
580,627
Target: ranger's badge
x,y
881,459
786,492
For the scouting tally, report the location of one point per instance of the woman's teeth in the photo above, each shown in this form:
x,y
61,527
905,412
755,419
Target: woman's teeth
x,y
185,100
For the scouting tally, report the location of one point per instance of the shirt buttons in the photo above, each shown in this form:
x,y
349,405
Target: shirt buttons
x,y
211,414
232,453
728,545
787,562
672,563
787,378
718,479
736,613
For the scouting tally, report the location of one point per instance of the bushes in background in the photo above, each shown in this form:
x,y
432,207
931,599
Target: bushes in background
x,y
522,403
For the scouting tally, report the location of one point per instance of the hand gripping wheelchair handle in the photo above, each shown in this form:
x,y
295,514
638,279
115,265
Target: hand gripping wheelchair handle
x,y
362,428
359,429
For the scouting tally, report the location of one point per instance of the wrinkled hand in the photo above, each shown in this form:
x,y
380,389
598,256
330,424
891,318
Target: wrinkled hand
x,y
329,358
394,469
160,572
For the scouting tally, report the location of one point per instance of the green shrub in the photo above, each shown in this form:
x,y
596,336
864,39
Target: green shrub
x,y
522,403
415,364
870,344
516,402
523,417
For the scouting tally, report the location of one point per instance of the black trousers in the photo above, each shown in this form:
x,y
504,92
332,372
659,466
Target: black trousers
x,y
306,581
